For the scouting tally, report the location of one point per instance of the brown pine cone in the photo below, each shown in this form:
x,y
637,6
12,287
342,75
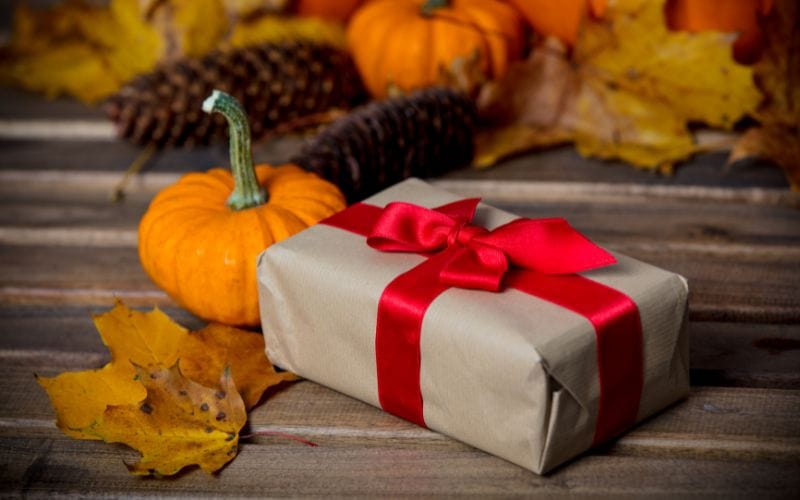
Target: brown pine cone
x,y
276,83
424,134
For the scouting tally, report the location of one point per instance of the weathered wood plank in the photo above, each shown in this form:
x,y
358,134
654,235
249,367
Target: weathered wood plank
x,y
763,290
115,156
43,466
745,355
20,104
701,445
718,225
315,412
556,165
721,354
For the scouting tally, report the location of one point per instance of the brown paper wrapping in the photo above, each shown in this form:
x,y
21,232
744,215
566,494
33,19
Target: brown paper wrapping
x,y
505,372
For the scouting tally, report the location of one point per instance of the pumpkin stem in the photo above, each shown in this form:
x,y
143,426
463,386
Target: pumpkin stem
x,y
247,193
430,6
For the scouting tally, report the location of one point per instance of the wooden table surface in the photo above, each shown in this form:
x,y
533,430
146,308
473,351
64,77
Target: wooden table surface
x,y
67,252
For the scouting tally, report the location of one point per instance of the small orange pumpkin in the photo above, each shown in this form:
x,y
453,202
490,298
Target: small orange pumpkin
x,y
338,10
559,18
740,16
406,43
200,237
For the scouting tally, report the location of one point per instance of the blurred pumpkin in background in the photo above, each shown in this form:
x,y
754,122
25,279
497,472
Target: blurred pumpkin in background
x,y
738,16
559,18
408,43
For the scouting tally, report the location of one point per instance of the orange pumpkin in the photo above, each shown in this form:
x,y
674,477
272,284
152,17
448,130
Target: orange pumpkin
x,y
406,43
559,18
740,16
334,10
200,237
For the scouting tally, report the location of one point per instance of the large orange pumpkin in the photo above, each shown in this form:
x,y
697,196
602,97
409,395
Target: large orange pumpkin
x,y
739,16
334,10
406,43
559,18
200,237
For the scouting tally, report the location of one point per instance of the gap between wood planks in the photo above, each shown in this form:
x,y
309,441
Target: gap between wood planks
x,y
50,129
676,432
505,191
127,238
633,443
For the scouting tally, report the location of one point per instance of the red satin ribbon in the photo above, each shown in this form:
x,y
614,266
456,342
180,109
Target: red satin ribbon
x,y
538,257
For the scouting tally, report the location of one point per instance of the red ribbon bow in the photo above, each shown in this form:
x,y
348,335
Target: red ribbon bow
x,y
482,257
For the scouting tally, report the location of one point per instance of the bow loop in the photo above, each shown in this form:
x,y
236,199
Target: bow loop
x,y
480,258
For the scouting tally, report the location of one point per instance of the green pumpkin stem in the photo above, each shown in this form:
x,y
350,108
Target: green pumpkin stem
x,y
430,6
247,193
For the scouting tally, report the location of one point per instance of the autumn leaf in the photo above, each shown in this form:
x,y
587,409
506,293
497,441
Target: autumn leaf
x,y
89,51
180,423
628,91
778,76
251,31
205,353
188,27
493,145
78,49
151,341
141,338
80,398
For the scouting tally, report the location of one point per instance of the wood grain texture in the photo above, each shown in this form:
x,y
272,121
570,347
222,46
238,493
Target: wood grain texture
x,y
721,354
81,200
762,291
562,165
719,441
48,465
67,253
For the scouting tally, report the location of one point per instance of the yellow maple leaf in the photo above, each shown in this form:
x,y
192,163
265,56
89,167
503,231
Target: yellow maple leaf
x,y
80,398
628,92
180,423
153,340
205,353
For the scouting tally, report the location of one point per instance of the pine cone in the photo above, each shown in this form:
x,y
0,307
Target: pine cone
x,y
275,82
423,134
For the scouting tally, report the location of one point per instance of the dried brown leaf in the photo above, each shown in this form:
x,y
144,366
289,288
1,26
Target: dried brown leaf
x,y
776,143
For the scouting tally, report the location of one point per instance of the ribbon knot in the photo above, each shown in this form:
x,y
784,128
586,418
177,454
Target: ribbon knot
x,y
479,258
464,232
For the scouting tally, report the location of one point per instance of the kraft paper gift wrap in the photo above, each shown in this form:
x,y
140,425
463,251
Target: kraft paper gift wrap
x,y
507,372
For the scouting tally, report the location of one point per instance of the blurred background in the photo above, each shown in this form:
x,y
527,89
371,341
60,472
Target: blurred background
x,y
647,84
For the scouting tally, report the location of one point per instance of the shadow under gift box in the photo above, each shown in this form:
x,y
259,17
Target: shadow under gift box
x,y
509,373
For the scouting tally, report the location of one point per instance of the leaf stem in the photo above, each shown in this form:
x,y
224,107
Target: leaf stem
x,y
247,193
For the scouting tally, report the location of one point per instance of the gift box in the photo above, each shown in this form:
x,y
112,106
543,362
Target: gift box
x,y
519,337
